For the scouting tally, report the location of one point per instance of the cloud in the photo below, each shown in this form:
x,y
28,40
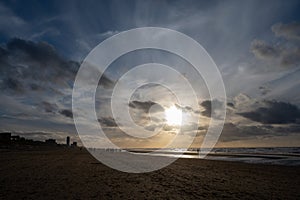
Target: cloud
x,y
264,90
27,65
233,132
184,108
104,81
39,80
147,114
283,54
66,113
48,31
41,52
36,72
274,112
290,31
13,84
230,104
32,66
49,107
106,34
108,121
207,105
263,50
146,106
37,77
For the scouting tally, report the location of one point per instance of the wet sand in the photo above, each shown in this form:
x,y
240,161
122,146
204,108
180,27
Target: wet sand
x,y
74,174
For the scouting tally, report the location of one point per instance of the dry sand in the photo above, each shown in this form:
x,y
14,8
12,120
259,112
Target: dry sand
x,y
74,174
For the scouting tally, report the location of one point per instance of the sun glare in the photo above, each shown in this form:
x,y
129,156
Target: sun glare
x,y
173,116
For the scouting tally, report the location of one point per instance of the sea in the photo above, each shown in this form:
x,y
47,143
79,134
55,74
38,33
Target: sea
x,y
289,156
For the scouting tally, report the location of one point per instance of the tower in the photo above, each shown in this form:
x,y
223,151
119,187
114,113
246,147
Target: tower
x,y
68,141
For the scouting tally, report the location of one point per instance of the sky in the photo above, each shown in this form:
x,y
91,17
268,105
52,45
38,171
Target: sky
x,y
255,44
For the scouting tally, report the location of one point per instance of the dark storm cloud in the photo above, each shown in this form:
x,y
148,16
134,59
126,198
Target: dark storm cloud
x,y
37,81
274,112
289,31
207,105
108,121
36,66
27,65
40,52
66,113
146,105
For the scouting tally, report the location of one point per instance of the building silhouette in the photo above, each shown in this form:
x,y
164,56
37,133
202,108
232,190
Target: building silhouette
x,y
68,141
74,144
50,141
9,140
5,137
15,138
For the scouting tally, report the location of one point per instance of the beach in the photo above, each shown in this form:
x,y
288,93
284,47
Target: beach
x,y
66,173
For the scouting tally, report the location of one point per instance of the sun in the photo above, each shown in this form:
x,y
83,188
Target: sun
x,y
173,116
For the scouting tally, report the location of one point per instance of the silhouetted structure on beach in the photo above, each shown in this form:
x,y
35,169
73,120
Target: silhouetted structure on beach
x,y
7,140
5,137
74,144
15,138
68,141
51,142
